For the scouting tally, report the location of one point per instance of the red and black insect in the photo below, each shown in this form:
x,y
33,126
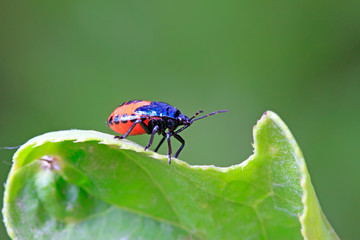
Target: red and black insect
x,y
139,117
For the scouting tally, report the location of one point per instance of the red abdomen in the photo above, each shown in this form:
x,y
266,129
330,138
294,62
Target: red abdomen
x,y
124,116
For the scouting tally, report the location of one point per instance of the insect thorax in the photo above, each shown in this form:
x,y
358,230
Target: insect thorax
x,y
163,124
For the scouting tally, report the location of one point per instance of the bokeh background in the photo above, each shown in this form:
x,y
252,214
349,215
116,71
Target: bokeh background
x,y
68,64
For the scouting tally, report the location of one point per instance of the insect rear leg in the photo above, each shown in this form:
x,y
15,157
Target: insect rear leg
x,y
168,135
180,139
154,131
130,129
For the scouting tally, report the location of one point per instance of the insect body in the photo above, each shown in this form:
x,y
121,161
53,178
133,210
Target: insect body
x,y
139,117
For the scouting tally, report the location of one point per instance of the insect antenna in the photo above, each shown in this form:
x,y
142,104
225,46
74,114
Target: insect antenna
x,y
9,148
197,113
192,120
221,111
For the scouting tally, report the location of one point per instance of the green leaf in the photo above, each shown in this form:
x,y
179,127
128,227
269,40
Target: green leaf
x,y
87,185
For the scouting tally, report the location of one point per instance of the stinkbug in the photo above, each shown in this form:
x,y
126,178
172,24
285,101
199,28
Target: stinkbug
x,y
139,117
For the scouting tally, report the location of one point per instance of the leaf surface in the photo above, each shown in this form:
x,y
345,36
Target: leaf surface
x,y
87,185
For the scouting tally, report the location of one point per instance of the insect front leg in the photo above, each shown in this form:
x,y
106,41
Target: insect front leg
x,y
154,131
168,135
160,143
130,129
180,139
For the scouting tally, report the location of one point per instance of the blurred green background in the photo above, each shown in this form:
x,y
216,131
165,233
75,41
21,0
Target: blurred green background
x,y
68,64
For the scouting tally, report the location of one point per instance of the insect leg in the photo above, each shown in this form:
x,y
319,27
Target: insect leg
x,y
160,143
146,128
130,129
168,135
180,139
154,131
182,129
